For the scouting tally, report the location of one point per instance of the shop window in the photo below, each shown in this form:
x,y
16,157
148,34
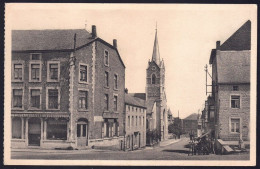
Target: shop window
x,y
17,98
56,129
16,128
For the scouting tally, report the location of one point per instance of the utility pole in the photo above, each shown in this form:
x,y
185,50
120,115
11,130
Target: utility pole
x,y
207,73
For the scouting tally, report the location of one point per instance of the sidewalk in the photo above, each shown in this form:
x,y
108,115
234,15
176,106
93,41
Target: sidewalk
x,y
168,142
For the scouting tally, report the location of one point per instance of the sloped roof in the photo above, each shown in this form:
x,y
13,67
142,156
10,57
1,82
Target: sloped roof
x,y
233,67
193,116
49,39
129,99
240,40
138,95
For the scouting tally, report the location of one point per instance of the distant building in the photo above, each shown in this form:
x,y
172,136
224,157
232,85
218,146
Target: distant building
x,y
170,117
230,100
67,89
135,122
190,124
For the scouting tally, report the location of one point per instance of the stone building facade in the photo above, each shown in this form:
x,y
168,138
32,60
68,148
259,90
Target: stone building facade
x,y
135,122
230,98
67,89
156,102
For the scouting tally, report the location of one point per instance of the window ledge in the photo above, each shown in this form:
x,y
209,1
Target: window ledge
x,y
82,82
34,108
17,109
83,110
115,89
33,81
18,139
106,65
54,81
20,81
53,109
235,108
106,87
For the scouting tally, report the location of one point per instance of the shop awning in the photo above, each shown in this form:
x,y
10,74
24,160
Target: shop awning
x,y
41,114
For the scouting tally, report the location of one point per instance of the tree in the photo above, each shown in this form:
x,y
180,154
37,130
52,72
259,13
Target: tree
x,y
175,129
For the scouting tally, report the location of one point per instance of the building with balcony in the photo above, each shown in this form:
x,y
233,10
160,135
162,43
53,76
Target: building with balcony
x,y
67,89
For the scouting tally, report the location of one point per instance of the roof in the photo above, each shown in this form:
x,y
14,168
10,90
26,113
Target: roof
x,y
53,39
156,53
193,116
129,99
138,95
49,39
233,67
240,40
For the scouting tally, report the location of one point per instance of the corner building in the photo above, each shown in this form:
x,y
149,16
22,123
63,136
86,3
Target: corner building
x,y
67,89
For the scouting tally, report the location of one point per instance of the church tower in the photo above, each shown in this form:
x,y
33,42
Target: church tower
x,y
155,93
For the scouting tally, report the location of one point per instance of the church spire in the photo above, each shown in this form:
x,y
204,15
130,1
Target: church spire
x,y
156,54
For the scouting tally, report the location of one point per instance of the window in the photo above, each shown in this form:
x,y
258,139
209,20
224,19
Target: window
x,y
153,79
35,99
235,88
140,120
35,56
116,81
106,102
115,103
83,73
18,72
235,101
17,98
128,122
133,121
83,99
17,128
35,71
235,125
136,121
53,99
106,58
56,129
53,71
106,79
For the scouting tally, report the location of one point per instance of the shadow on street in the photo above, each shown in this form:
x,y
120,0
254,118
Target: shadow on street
x,y
177,151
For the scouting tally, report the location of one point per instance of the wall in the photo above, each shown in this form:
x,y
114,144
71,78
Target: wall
x,y
225,111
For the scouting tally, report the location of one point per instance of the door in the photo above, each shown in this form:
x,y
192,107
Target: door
x,y
34,132
82,134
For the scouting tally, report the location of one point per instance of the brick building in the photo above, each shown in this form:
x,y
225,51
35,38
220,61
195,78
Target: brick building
x,y
230,100
135,122
190,124
67,89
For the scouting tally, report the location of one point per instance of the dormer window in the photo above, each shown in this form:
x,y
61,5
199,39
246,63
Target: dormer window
x,y
36,56
153,79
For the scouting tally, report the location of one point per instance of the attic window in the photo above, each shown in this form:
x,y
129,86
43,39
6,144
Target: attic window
x,y
235,88
35,56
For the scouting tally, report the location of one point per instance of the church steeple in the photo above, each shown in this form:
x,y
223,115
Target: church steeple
x,y
156,53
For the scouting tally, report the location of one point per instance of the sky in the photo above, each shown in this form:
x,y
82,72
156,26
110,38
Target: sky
x,y
186,35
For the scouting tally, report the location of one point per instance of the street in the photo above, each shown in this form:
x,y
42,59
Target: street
x,y
174,151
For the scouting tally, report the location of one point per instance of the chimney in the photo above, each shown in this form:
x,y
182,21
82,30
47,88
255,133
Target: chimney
x,y
126,90
94,31
217,45
115,43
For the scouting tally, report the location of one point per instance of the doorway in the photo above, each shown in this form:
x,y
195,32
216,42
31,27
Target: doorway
x,y
82,133
34,132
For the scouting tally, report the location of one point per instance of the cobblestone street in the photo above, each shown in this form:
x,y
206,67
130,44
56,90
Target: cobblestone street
x,y
166,151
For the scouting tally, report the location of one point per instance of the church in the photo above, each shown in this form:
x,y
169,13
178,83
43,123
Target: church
x,y
155,95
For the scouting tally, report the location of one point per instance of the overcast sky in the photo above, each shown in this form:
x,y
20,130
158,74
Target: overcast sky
x,y
186,35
